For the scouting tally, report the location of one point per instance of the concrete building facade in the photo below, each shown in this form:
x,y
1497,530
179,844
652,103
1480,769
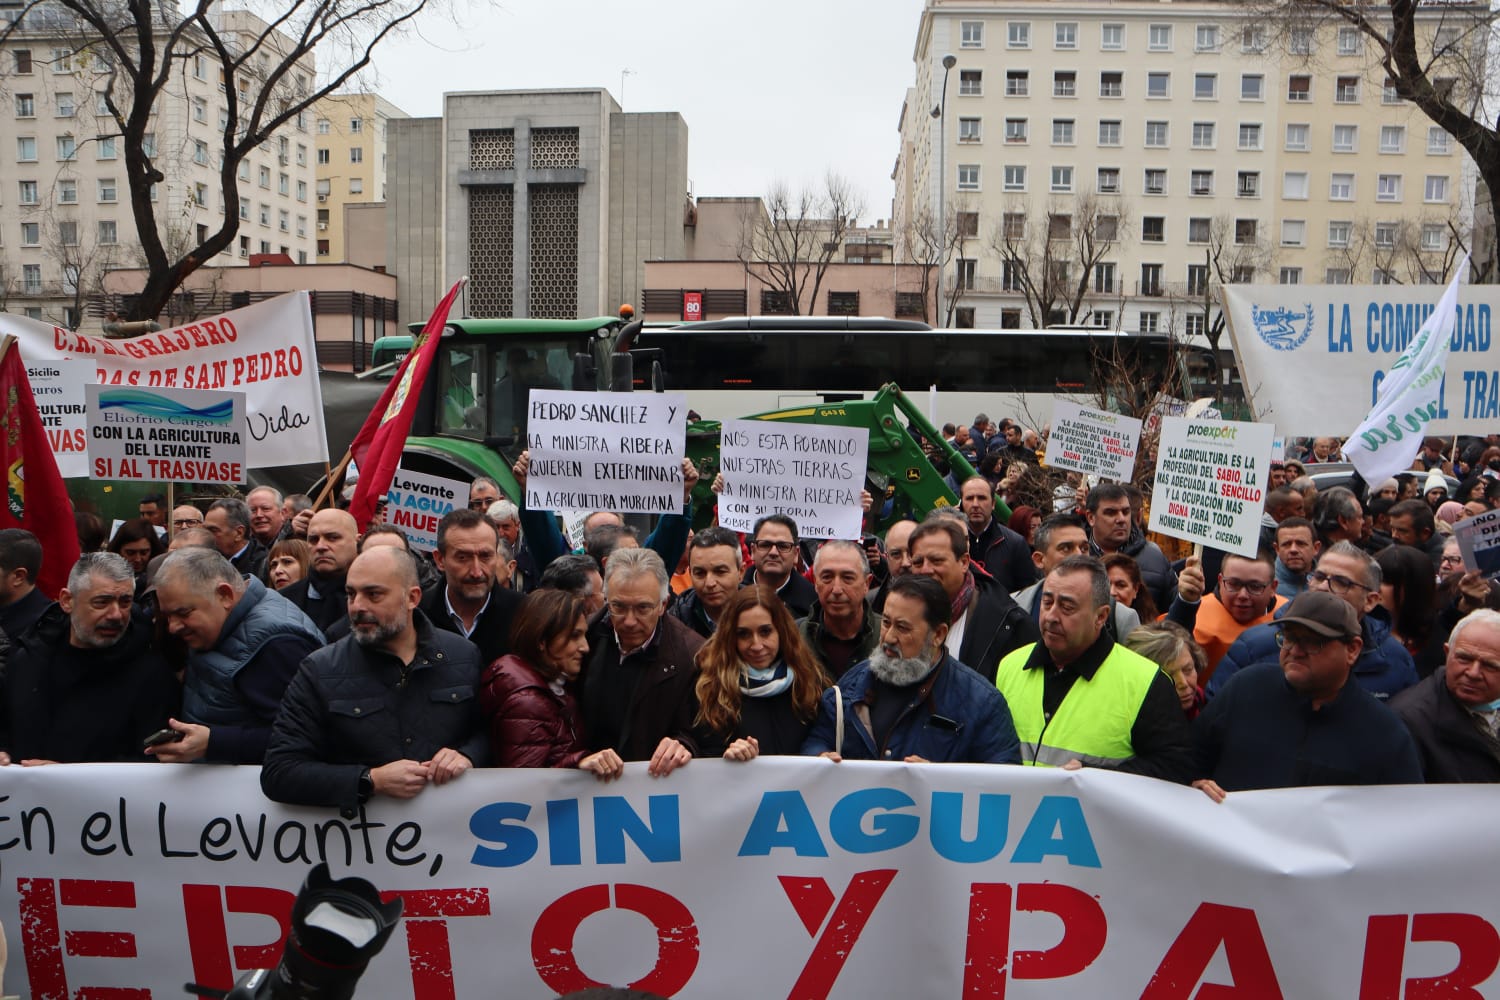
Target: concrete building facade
x,y
1147,151
352,159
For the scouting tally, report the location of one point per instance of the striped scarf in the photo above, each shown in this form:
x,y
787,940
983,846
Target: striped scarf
x,y
962,599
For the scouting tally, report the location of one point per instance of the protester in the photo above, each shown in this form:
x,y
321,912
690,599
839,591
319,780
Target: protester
x,y
1129,590
83,684
1172,648
897,557
1024,521
1454,715
759,684
186,516
1058,537
1081,699
1300,722
288,563
985,623
244,643
267,523
579,576
912,701
152,509
1001,552
1413,523
228,520
332,540
387,710
21,604
471,600
1408,603
1338,517
1246,596
483,492
1112,528
841,629
137,542
715,567
1296,551
506,517
774,554
640,677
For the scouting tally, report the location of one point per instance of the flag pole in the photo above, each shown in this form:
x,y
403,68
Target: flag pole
x,y
6,343
331,477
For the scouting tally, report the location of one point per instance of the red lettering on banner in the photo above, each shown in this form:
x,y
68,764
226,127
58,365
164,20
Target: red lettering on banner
x,y
44,946
812,899
208,936
1210,926
1478,946
988,947
676,937
427,939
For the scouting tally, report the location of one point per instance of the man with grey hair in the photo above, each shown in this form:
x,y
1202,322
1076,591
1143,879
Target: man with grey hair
x,y
639,683
267,523
841,629
483,492
82,684
228,520
506,517
429,729
244,643
1454,715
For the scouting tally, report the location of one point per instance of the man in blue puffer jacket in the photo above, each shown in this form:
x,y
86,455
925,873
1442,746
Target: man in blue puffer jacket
x,y
1383,669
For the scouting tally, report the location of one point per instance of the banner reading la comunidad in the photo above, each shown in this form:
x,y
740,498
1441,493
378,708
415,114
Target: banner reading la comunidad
x,y
266,350
1312,356
783,877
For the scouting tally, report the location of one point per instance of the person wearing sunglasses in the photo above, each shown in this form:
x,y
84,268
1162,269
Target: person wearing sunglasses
x,y
1245,597
1297,720
1383,667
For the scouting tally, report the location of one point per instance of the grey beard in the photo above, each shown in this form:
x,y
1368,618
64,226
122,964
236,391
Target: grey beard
x,y
899,671
380,635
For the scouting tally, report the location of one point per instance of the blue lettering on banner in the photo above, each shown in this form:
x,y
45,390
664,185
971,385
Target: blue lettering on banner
x,y
890,830
506,842
1390,327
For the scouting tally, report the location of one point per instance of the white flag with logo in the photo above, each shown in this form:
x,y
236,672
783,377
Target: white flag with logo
x,y
1408,399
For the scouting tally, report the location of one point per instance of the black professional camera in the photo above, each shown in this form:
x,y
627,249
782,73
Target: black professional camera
x,y
337,927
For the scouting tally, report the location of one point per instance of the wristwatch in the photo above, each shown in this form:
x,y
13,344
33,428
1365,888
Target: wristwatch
x,y
366,786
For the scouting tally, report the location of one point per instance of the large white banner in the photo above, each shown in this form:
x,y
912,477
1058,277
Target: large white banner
x,y
606,451
794,878
267,351
1313,356
812,474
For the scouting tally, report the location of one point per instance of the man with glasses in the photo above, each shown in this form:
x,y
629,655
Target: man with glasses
x,y
483,492
1245,597
185,515
639,681
84,685
1298,721
1383,667
773,553
1454,715
897,558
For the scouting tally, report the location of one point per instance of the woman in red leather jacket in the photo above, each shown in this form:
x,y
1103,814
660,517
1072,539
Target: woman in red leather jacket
x,y
527,695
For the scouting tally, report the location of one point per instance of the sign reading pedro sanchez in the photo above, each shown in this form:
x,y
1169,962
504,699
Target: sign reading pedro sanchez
x,y
1211,482
162,435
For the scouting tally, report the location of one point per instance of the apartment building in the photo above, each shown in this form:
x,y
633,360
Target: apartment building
x,y
352,155
1145,151
65,215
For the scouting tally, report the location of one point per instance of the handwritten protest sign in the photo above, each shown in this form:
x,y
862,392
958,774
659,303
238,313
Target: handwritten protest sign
x,y
620,452
1479,543
416,502
156,435
1210,482
812,474
1094,442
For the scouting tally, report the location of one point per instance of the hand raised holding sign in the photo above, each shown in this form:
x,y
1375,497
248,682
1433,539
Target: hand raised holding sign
x,y
1190,582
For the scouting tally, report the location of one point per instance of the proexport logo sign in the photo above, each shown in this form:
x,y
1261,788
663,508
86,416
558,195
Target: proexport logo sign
x,y
1283,328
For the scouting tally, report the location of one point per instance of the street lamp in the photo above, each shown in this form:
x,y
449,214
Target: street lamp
x,y
940,113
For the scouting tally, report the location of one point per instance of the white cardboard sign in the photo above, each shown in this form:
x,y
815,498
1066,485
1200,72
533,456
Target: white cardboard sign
x,y
1211,481
1479,543
610,451
165,435
1094,442
416,502
813,474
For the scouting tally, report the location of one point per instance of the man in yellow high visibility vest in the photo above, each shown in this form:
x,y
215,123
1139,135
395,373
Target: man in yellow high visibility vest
x,y
1080,699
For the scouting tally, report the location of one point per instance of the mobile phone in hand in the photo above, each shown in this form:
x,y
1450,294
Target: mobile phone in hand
x,y
161,736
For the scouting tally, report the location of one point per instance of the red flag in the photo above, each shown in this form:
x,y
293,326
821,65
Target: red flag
x,y
377,446
35,497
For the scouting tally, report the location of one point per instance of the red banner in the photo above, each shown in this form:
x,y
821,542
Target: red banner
x,y
692,306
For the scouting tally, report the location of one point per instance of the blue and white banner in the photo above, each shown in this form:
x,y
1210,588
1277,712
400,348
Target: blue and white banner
x,y
1313,357
795,878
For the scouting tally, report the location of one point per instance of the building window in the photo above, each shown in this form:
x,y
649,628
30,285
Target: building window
x,y
1388,187
200,111
67,149
1194,324
1245,231
1337,276
1385,235
107,189
1382,276
1065,35
1013,225
302,190
356,126
1300,42
1104,278
283,184
1010,276
1290,276
1065,83
1338,233
1104,319
25,106
67,233
324,127
1201,182
22,63
1393,138
1293,232
108,233
1297,138
968,177
1345,138
968,225
1112,37
65,106
357,155
1017,82
31,280
1346,90
245,209
1153,229
31,234
357,185
1109,180
971,34
1203,135
1249,135
1156,134
910,305
1106,228
1247,184
1158,84
28,192
62,61
67,192
1150,279
26,149
1150,321
1241,274
265,214
1156,181
1111,83
1062,180
1294,185
1198,231
1018,34
200,152
1109,132
963,318
1438,142
1350,43
105,148
1159,38
1435,189
1062,131
301,155
1299,89
968,129
1015,130
1206,38
1433,236
1205,86
1252,87
970,82
323,158
965,273
1252,38
1059,227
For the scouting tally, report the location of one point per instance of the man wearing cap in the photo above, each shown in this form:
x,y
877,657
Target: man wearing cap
x,y
1301,722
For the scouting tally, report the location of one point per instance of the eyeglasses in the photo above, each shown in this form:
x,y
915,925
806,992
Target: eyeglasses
x,y
764,545
619,609
1253,587
187,522
480,504
1307,643
1451,561
103,601
1340,585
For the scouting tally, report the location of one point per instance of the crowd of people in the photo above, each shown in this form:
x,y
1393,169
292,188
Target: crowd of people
x,y
1351,648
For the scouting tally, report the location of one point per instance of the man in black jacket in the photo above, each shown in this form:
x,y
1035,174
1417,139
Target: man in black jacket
x,y
21,604
469,600
1454,715
228,520
1003,553
84,685
774,552
387,710
334,539
987,622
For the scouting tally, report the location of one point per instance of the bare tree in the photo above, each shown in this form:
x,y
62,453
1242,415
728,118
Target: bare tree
x,y
1431,54
931,247
81,258
262,53
1052,264
788,246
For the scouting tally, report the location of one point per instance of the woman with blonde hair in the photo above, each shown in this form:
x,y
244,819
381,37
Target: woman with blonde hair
x,y
1172,647
759,684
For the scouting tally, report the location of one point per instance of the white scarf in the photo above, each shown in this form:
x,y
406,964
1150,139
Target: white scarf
x,y
767,682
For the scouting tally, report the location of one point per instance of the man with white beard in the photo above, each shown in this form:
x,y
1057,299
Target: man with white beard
x,y
911,701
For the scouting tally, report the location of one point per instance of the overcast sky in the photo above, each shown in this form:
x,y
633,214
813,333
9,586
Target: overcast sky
x,y
775,89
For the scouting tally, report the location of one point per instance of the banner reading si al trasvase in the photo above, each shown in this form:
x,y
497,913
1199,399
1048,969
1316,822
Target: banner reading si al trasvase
x,y
794,878
266,351
1312,356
